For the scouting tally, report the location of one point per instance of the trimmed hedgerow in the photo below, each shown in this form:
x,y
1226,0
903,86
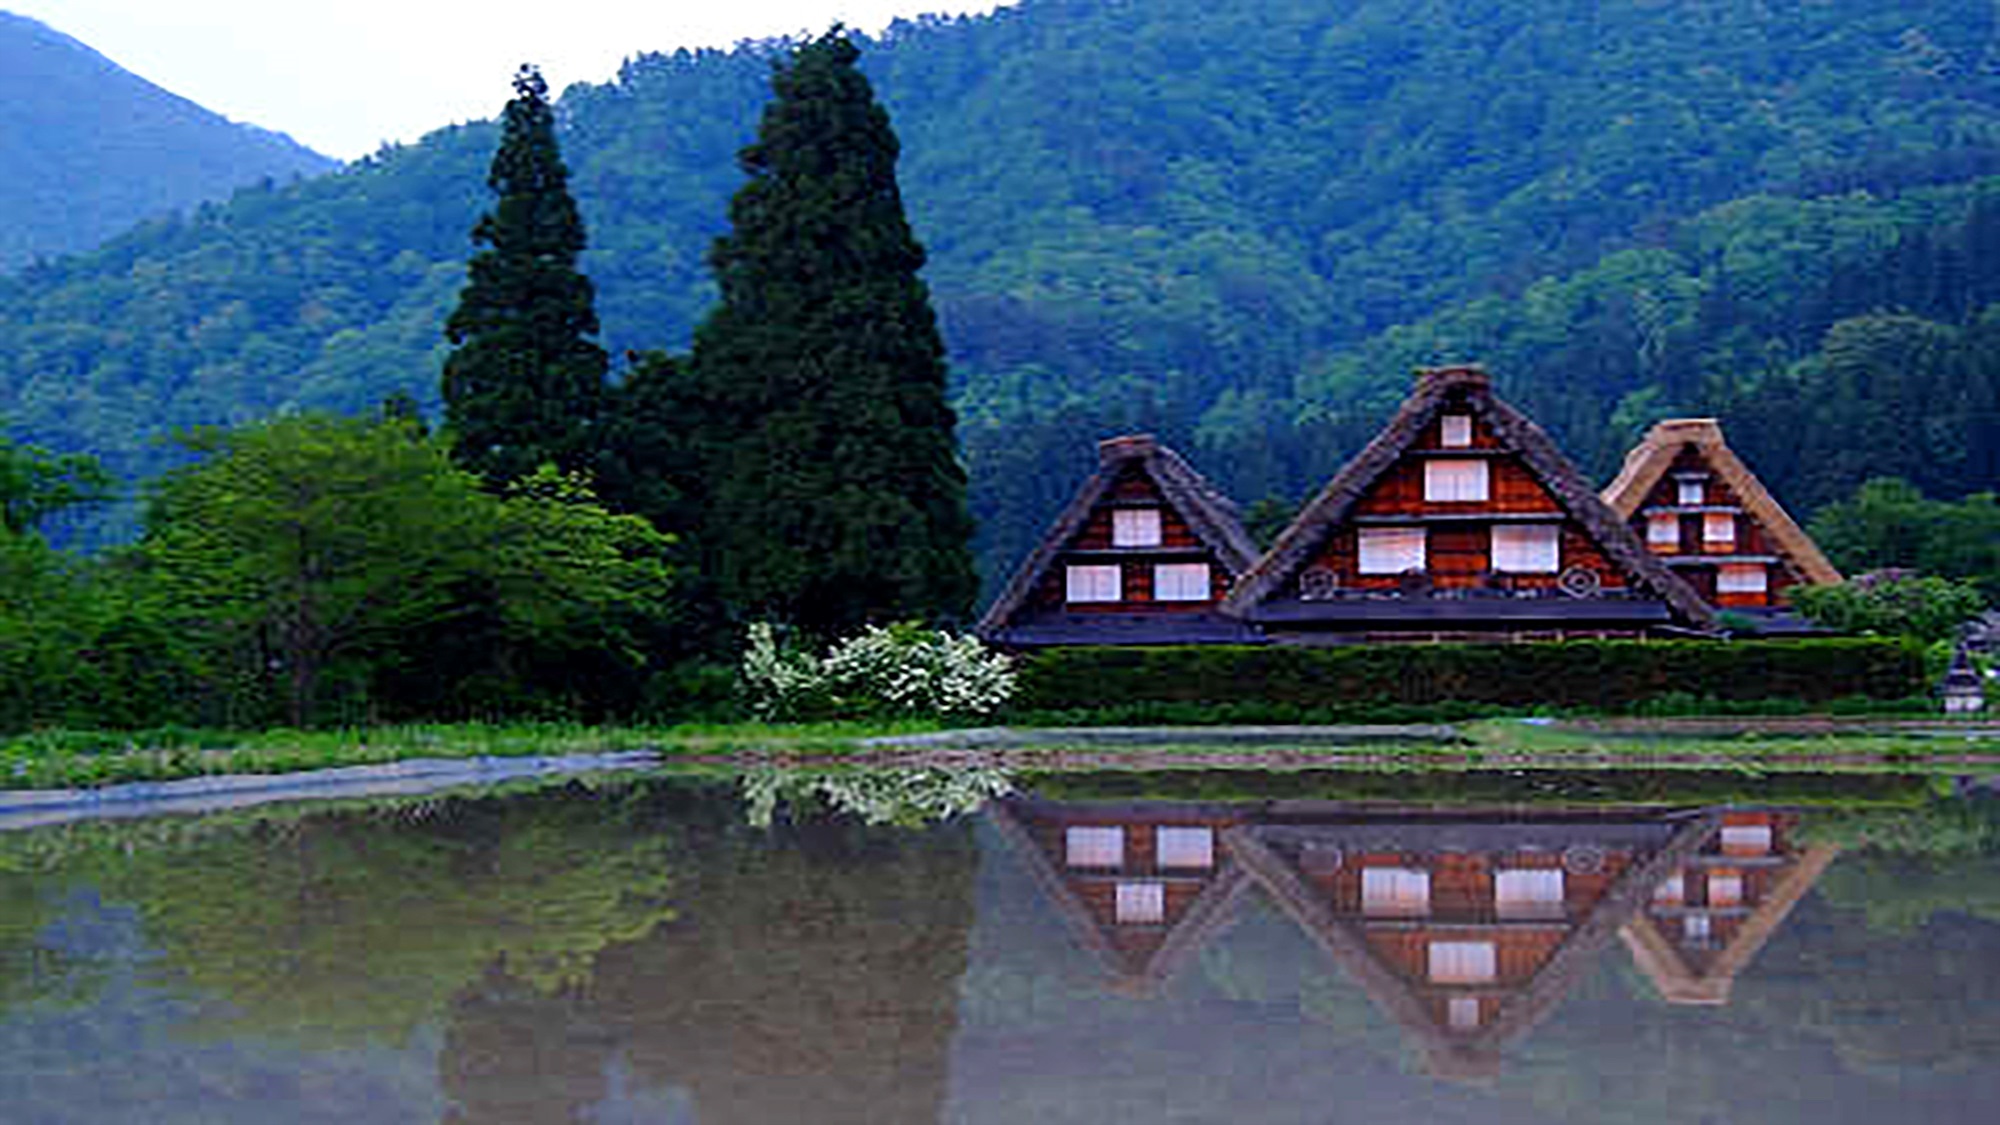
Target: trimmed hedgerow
x,y
1569,675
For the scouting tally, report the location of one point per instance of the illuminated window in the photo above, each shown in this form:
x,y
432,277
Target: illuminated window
x,y
1140,903
1718,527
1454,482
1745,578
1533,893
1135,527
1391,550
1462,962
1399,892
1455,431
1093,584
1527,548
1094,847
1185,847
1181,582
1663,529
1690,492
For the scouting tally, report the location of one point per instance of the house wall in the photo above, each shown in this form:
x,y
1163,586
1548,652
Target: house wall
x,y
1178,544
1751,536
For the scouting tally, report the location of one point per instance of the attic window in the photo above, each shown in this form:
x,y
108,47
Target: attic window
x,y
1718,527
1526,548
1690,492
1094,847
1455,431
1181,582
1391,550
1694,927
1092,584
1744,578
1395,892
1455,482
1185,847
1531,893
1463,1013
1135,527
1663,529
1140,903
1462,962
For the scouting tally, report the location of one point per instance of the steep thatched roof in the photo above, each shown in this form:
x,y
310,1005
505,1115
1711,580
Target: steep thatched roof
x,y
1655,454
1212,516
1517,433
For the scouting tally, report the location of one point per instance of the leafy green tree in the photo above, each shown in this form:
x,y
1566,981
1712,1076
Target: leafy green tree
x,y
1888,523
35,484
1927,608
526,385
837,497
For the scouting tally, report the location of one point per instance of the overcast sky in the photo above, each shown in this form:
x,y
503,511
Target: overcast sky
x,y
343,76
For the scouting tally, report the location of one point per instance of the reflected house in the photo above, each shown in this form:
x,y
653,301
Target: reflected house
x,y
1142,555
1461,520
1710,916
1702,511
1141,887
1465,929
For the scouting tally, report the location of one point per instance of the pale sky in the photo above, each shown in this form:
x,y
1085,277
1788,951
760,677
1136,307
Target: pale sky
x,y
343,76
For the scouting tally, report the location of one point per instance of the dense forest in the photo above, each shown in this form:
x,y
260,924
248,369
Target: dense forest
x,y
91,149
1237,225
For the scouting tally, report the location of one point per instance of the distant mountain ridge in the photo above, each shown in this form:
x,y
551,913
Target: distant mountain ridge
x,y
92,149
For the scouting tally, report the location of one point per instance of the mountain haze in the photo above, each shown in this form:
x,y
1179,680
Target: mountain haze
x,y
1218,219
91,149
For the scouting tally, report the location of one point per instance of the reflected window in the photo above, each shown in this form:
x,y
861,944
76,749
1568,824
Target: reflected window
x,y
1464,1013
1694,927
1746,839
1141,903
1533,893
1672,889
1094,847
1186,847
1462,962
1725,889
1395,892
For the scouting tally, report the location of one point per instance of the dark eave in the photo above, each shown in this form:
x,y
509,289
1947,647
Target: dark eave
x,y
1174,628
1428,611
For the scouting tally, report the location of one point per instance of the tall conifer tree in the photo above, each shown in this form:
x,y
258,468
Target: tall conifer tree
x,y
836,496
526,383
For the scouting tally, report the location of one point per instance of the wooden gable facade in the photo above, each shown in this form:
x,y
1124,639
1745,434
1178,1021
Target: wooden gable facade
x,y
1702,511
1460,520
1141,887
1144,554
1710,916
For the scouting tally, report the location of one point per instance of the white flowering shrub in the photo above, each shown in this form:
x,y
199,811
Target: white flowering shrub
x,y
910,798
902,671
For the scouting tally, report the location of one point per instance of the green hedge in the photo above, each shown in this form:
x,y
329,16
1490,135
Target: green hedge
x,y
1569,675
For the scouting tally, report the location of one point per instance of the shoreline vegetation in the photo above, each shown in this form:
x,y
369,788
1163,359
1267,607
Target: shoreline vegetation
x,y
1747,746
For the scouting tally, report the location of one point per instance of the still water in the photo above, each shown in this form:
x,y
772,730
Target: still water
x,y
924,948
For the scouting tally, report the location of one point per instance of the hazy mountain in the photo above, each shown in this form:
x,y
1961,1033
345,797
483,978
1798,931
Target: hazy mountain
x,y
91,149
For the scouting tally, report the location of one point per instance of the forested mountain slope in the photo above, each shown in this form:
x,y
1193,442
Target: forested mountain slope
x,y
1202,217
90,149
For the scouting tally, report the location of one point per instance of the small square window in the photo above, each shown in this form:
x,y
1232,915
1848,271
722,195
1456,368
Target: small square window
x,y
1455,482
1094,847
1694,927
1527,548
1718,527
1690,492
1181,582
1725,890
1462,962
1455,431
1672,890
1391,550
1185,847
1663,529
1135,527
1464,1013
1093,584
1141,903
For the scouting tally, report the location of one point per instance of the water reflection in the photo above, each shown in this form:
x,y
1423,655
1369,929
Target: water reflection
x,y
1256,947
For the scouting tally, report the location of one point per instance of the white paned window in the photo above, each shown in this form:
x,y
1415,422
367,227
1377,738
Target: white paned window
x,y
1532,548
1462,962
1663,529
1139,903
1135,527
1672,889
1690,492
1400,892
1743,578
1454,481
1455,431
1746,839
1185,847
1718,527
1094,583
1694,927
1094,847
1532,893
1391,550
1181,582
1463,1012
1725,890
